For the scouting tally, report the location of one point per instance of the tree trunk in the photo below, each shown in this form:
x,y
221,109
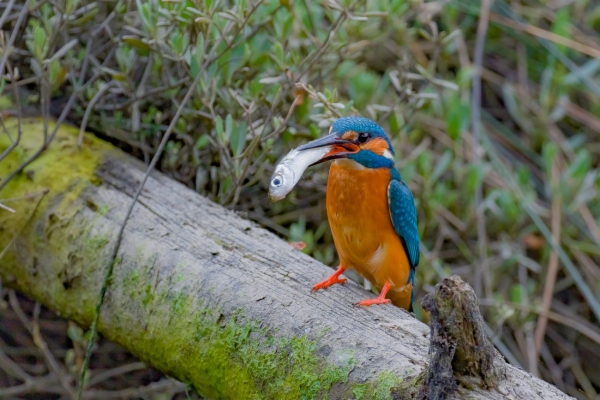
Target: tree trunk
x,y
198,292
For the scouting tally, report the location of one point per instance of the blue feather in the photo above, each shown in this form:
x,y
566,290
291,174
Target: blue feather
x,y
369,159
404,218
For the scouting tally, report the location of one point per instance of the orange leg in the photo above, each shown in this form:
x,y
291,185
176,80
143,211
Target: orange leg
x,y
332,280
379,300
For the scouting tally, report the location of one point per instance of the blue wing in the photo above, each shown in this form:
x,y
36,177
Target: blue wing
x,y
404,219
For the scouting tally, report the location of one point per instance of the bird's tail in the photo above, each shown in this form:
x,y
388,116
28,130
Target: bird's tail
x,y
411,279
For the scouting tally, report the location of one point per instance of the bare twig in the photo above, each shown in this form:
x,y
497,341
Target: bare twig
x,y
336,25
121,370
89,109
164,385
544,34
15,142
13,35
548,294
30,386
482,278
53,365
7,11
147,93
24,225
590,222
12,368
2,206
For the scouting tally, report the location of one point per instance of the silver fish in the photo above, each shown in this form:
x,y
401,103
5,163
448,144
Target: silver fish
x,y
289,170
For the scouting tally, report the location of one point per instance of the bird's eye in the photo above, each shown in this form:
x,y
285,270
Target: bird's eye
x,y
363,137
276,182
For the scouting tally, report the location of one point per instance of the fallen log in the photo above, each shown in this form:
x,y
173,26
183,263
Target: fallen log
x,y
197,291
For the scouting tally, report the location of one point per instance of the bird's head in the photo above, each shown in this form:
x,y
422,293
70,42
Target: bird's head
x,y
358,139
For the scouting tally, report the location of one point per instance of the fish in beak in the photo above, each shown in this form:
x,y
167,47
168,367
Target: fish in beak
x,y
290,169
337,147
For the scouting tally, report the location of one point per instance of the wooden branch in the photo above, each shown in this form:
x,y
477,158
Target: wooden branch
x,y
198,292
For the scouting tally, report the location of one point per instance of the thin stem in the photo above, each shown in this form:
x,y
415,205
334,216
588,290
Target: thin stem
x,y
542,322
482,278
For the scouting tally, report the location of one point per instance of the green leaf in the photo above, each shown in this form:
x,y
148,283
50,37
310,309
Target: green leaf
x,y
475,175
515,109
297,230
442,165
202,142
562,25
255,87
282,22
424,163
54,70
136,42
75,333
199,56
219,128
237,141
39,41
516,293
194,67
580,166
548,155
228,126
523,176
70,6
278,55
177,42
396,121
457,119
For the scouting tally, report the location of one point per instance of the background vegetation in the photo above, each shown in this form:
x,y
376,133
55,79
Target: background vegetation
x,y
268,75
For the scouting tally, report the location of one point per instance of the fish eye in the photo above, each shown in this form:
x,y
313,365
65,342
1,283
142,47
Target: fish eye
x,y
276,182
363,137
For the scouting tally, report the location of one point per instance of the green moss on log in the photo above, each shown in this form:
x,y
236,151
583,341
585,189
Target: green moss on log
x,y
237,360
61,171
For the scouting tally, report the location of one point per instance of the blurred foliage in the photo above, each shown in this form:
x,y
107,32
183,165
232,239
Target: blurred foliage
x,y
276,73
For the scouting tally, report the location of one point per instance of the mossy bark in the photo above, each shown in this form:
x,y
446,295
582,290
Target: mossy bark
x,y
198,292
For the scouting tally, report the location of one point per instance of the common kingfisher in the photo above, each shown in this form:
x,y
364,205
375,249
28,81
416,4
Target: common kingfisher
x,y
371,211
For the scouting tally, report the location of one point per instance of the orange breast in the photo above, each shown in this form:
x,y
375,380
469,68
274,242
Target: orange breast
x,y
364,237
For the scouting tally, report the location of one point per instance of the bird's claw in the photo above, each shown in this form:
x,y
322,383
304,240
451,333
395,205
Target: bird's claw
x,y
328,282
371,302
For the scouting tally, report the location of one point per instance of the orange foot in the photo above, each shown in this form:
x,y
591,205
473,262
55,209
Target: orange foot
x,y
332,280
379,300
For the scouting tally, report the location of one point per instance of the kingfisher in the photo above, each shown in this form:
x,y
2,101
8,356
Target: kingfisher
x,y
371,211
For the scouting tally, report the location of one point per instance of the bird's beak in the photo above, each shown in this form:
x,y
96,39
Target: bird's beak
x,y
339,148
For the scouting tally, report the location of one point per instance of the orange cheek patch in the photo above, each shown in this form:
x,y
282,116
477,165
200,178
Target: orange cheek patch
x,y
377,146
350,136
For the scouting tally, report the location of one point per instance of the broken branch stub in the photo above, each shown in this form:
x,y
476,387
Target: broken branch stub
x,y
459,349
